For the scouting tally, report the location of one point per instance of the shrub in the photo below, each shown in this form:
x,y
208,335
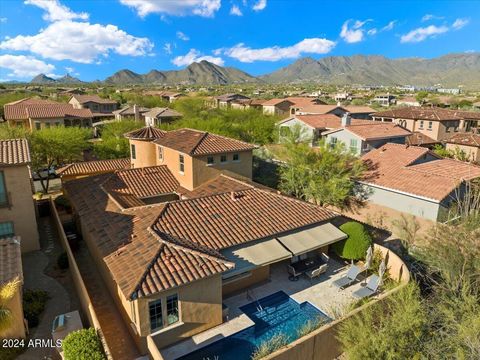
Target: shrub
x,y
269,346
63,202
310,326
83,344
62,261
34,302
357,243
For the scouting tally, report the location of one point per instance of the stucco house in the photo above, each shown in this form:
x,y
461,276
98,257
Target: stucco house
x,y
36,114
436,123
360,138
355,112
11,269
17,209
160,115
277,106
414,180
225,100
100,108
245,104
469,143
131,112
185,227
95,167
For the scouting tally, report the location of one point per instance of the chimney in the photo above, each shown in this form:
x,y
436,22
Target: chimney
x,y
136,112
346,120
339,103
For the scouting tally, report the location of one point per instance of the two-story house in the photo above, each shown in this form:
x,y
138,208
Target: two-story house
x,y
17,209
101,108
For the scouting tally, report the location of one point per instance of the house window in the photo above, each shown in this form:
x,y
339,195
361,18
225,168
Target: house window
x,y
155,310
160,153
210,160
236,157
38,126
172,309
3,190
182,163
353,145
420,126
133,151
430,125
6,229
47,125
57,123
333,141
223,158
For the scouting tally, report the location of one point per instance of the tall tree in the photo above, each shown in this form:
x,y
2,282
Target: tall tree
x,y
113,144
7,292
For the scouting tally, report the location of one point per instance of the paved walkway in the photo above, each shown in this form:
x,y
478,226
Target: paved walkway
x,y
115,332
34,265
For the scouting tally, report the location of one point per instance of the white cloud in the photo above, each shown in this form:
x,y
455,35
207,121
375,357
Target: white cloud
x,y
69,69
260,5
421,34
235,10
182,36
460,23
79,41
3,20
246,54
428,17
195,56
22,66
355,33
389,26
206,8
168,48
372,31
56,11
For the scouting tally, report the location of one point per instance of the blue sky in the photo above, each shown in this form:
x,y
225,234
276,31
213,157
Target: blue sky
x,y
93,39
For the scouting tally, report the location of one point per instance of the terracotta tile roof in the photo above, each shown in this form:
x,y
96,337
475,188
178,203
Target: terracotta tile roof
x,y
400,168
195,142
419,139
324,121
14,152
146,133
10,259
353,109
251,102
129,111
467,139
377,130
228,219
143,182
317,109
230,97
42,109
419,113
82,99
301,101
159,112
94,167
273,102
140,262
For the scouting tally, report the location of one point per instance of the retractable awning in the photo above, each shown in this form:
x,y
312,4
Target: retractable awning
x,y
311,239
249,256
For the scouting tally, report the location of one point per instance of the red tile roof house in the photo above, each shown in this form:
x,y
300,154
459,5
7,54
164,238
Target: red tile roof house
x,y
100,108
172,252
36,114
469,143
415,180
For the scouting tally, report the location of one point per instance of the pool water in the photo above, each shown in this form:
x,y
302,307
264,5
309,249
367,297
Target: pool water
x,y
275,314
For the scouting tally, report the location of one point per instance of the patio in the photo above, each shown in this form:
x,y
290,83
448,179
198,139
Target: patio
x,y
319,292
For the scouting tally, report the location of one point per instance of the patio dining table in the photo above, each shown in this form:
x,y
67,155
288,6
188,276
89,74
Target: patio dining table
x,y
305,265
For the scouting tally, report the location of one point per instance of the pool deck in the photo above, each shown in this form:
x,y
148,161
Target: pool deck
x,y
319,292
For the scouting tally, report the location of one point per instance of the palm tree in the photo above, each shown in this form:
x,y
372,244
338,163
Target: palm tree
x,y
7,292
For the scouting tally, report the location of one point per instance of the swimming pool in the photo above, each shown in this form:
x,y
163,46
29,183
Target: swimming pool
x,y
274,314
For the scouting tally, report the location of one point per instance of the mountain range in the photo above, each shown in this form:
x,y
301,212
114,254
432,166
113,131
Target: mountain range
x,y
448,70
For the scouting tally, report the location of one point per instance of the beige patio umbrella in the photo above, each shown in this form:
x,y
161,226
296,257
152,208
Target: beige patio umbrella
x,y
369,257
381,270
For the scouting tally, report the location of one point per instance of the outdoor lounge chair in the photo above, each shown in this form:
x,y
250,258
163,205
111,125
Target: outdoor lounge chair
x,y
370,289
317,272
348,279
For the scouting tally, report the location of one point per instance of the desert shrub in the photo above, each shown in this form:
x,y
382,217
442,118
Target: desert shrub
x,y
62,261
62,201
34,302
310,326
357,243
83,344
269,346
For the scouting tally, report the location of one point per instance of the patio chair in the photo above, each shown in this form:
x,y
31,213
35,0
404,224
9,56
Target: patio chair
x,y
292,272
349,278
325,257
370,289
317,272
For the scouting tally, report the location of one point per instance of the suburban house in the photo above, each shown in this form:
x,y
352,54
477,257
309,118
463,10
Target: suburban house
x,y
186,227
131,112
11,269
408,101
468,143
245,104
225,101
414,180
17,209
169,96
436,123
36,114
100,108
277,106
302,101
356,112
95,167
385,99
419,139
160,115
